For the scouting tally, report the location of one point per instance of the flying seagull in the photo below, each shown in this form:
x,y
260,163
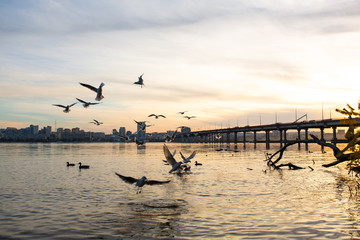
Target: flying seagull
x,y
171,160
140,81
86,104
140,182
142,125
96,122
156,116
182,113
98,90
189,117
188,159
171,138
67,108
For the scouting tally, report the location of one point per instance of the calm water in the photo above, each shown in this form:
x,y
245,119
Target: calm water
x,y
229,197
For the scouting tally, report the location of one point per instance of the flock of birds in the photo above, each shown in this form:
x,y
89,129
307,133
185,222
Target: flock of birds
x,y
178,167
99,97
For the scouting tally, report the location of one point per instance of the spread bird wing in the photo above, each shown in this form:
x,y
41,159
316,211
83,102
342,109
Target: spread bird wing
x,y
59,105
94,103
192,155
72,104
89,86
80,100
162,116
169,157
130,180
154,182
152,115
182,156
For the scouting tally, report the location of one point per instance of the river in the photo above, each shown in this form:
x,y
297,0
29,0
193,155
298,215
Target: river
x,y
230,196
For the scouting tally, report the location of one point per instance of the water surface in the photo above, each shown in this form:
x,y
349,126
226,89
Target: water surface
x,y
229,197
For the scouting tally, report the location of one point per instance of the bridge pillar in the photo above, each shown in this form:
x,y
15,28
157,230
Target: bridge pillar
x,y
299,138
254,139
281,138
322,138
306,139
235,137
267,135
285,140
228,138
334,139
244,139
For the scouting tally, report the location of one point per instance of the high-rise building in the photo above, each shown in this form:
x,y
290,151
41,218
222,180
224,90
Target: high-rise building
x,y
122,131
34,129
48,131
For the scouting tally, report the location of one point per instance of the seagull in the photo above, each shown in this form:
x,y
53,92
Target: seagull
x,y
142,125
140,81
189,117
86,104
197,163
96,122
171,138
67,108
139,142
188,159
140,182
70,164
156,116
98,90
182,113
171,160
83,166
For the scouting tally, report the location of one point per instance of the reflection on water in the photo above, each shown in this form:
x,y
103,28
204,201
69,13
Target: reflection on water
x,y
230,196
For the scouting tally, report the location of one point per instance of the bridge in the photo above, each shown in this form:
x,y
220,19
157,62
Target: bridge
x,y
262,133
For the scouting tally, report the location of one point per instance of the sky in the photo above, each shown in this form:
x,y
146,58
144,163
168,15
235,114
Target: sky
x,y
229,63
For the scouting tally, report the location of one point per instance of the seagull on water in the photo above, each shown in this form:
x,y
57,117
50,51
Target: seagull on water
x,y
197,163
140,81
86,104
140,182
96,122
188,159
67,108
98,90
70,164
156,116
189,117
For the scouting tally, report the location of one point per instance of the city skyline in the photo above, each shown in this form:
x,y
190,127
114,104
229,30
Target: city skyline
x,y
231,64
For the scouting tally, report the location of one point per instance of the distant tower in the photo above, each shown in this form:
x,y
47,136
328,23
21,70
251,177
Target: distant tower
x,y
122,132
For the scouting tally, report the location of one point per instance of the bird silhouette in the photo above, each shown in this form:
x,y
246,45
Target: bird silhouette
x,y
140,81
98,90
176,166
83,166
86,104
96,122
188,159
156,116
67,108
189,117
140,182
